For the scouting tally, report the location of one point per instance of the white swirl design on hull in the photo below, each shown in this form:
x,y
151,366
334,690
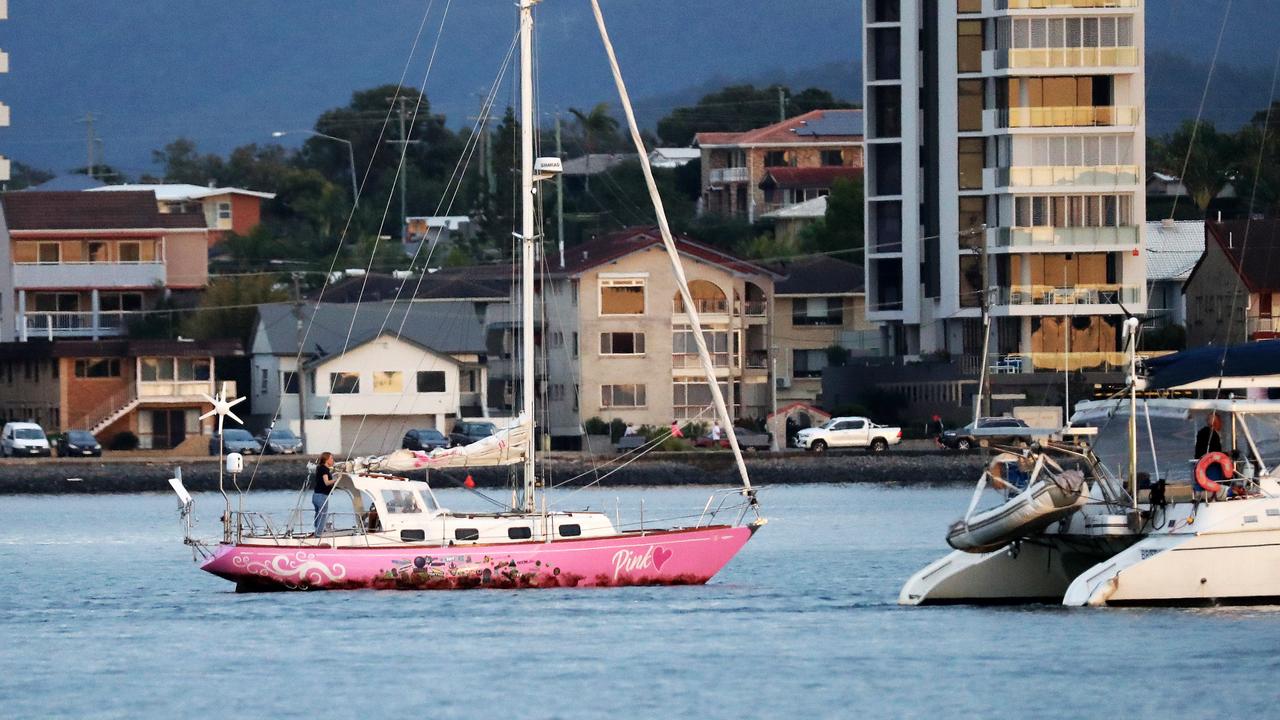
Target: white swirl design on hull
x,y
301,567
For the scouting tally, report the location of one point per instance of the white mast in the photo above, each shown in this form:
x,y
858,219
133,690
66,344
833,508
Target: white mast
x,y
528,237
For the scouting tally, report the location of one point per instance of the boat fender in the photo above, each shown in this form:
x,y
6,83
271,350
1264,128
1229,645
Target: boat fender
x,y
1208,461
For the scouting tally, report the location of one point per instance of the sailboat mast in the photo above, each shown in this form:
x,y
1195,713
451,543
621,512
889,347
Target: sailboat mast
x,y
528,237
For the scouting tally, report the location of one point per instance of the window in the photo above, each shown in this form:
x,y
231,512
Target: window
x,y
49,252
808,363
289,382
130,252
575,344
1068,211
692,400
400,502
621,343
157,369
466,534
431,381
557,339
970,105
224,211
972,158
570,530
832,158
388,381
970,281
555,392
262,382
117,302
97,252
969,46
194,369
56,302
520,533
97,367
817,311
973,215
343,383
684,348
622,396
622,296
968,6
775,158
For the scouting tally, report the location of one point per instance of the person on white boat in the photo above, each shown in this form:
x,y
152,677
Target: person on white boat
x,y
1208,440
321,486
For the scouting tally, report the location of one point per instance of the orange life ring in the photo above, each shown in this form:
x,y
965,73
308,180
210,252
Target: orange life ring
x,y
1202,467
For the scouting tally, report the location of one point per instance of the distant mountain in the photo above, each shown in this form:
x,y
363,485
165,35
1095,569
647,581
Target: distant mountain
x,y
1176,83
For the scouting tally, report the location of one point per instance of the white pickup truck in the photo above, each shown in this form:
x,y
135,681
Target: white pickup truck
x,y
849,432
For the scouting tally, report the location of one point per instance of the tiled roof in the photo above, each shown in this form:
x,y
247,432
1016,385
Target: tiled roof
x,y
1253,247
820,275
84,211
1173,249
119,348
470,283
818,126
807,177
593,253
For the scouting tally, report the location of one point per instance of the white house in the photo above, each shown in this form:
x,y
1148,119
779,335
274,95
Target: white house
x,y
396,373
1173,249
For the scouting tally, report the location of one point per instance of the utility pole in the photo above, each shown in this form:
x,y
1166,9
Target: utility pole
x,y
91,140
299,376
404,142
782,104
560,194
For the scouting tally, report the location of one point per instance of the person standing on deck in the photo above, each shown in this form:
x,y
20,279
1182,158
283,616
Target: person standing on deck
x,y
321,486
1208,440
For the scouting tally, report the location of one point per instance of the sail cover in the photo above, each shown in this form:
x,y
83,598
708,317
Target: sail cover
x,y
509,446
1253,359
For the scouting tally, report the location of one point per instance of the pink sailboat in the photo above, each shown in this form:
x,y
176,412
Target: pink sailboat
x,y
398,536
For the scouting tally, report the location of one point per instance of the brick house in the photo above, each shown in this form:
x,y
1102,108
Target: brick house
x,y
85,264
151,388
806,154
1232,293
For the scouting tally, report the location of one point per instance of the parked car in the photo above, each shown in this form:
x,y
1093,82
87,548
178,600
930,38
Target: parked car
x,y
280,441
234,440
425,439
849,432
23,438
965,439
465,433
749,440
78,443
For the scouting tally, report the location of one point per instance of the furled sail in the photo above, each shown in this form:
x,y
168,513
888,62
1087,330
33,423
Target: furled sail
x,y
509,446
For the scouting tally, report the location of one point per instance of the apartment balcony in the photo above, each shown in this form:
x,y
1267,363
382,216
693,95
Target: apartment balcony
x,y
1061,362
88,275
1050,300
1064,4
1063,176
1057,59
1056,239
691,361
723,176
61,325
1067,116
1264,328
757,360
703,306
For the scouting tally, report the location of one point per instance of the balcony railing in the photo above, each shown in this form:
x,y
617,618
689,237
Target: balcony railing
x,y
1048,58
78,324
691,361
719,176
758,359
1070,116
1025,295
1062,361
1051,238
1063,4
88,275
703,306
1067,176
1262,328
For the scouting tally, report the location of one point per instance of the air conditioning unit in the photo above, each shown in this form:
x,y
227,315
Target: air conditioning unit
x,y
784,383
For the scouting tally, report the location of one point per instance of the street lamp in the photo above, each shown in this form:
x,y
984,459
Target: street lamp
x,y
351,154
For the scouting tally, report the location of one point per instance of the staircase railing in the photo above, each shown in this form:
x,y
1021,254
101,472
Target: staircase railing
x,y
104,410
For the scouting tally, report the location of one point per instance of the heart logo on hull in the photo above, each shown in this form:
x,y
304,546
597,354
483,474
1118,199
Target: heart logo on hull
x,y
661,556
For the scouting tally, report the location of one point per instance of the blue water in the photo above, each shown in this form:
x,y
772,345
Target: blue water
x,y
102,614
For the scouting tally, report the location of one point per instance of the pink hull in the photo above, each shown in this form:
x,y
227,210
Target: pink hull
x,y
674,557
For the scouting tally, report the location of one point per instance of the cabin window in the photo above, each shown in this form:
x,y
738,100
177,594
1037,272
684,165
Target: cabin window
x,y
622,296
469,534
570,530
400,502
519,533
344,383
388,382
431,381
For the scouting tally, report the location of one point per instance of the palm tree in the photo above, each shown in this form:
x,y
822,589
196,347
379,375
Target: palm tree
x,y
598,129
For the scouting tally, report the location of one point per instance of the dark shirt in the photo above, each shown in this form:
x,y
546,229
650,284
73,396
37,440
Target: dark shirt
x,y
1207,440
322,475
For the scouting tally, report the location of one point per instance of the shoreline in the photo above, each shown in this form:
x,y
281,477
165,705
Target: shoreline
x,y
139,475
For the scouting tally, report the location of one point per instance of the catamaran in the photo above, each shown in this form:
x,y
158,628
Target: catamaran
x,y
398,536
1176,531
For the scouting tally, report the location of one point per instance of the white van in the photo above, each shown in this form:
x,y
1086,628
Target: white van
x,y
23,438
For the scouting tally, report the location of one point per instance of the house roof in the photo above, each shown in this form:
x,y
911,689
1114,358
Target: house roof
x,y
446,328
119,348
68,210
676,153
1253,248
806,177
170,192
594,164
1173,249
816,127
619,244
74,181
820,275
485,282
808,210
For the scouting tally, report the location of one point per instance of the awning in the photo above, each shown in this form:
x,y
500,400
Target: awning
x,y
1235,362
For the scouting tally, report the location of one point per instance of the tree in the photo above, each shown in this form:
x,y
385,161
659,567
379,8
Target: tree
x,y
24,176
1198,154
229,307
738,108
597,130
183,163
842,226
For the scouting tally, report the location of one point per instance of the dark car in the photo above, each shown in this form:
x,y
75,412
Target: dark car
x,y
78,443
235,440
749,440
465,433
280,441
425,439
965,437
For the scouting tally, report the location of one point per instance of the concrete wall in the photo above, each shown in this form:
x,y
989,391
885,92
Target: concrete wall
x,y
186,259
